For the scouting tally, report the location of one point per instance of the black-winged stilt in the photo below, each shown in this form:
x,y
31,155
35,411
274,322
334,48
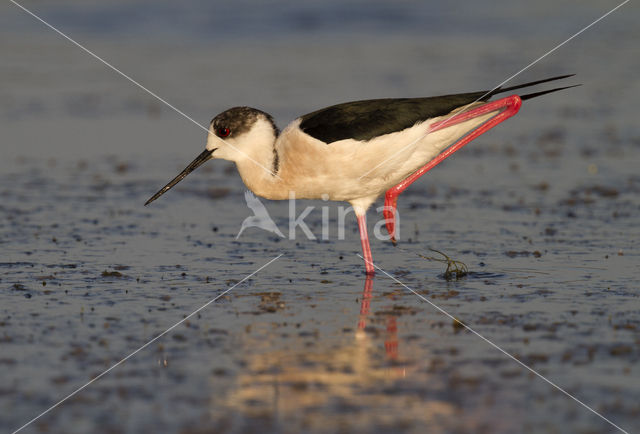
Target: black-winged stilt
x,y
354,151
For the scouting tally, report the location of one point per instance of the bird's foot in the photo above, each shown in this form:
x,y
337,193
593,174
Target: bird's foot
x,y
389,213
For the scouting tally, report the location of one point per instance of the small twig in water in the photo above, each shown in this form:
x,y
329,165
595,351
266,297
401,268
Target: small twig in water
x,y
455,269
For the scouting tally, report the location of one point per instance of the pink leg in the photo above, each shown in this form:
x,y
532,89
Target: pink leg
x,y
366,249
509,106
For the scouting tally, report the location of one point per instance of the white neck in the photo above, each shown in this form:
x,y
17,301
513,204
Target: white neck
x,y
259,173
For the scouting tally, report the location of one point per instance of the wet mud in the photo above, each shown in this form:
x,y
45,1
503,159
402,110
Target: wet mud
x,y
543,212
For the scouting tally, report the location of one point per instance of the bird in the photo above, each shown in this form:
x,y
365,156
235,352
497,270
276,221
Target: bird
x,y
261,217
354,151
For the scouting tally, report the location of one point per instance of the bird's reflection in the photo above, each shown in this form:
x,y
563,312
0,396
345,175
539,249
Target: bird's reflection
x,y
311,377
391,338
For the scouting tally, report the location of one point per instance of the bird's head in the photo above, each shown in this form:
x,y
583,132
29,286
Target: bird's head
x,y
236,134
239,132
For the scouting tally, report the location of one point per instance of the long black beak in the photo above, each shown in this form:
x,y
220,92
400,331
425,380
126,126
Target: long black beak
x,y
200,159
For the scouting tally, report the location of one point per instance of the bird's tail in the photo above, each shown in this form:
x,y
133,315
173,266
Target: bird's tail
x,y
532,83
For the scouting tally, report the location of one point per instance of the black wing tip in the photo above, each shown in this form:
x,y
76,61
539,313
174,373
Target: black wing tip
x,y
544,92
560,77
531,83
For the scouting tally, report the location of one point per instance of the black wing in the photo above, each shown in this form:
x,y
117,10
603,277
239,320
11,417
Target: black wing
x,y
364,120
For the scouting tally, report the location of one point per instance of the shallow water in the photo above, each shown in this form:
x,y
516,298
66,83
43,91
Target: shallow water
x,y
543,210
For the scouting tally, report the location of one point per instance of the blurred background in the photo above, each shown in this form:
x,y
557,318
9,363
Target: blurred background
x,y
543,210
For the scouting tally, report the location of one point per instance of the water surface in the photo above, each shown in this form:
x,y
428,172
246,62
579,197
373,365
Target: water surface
x,y
543,210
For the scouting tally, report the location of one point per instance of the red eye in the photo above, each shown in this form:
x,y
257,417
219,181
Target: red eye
x,y
223,132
